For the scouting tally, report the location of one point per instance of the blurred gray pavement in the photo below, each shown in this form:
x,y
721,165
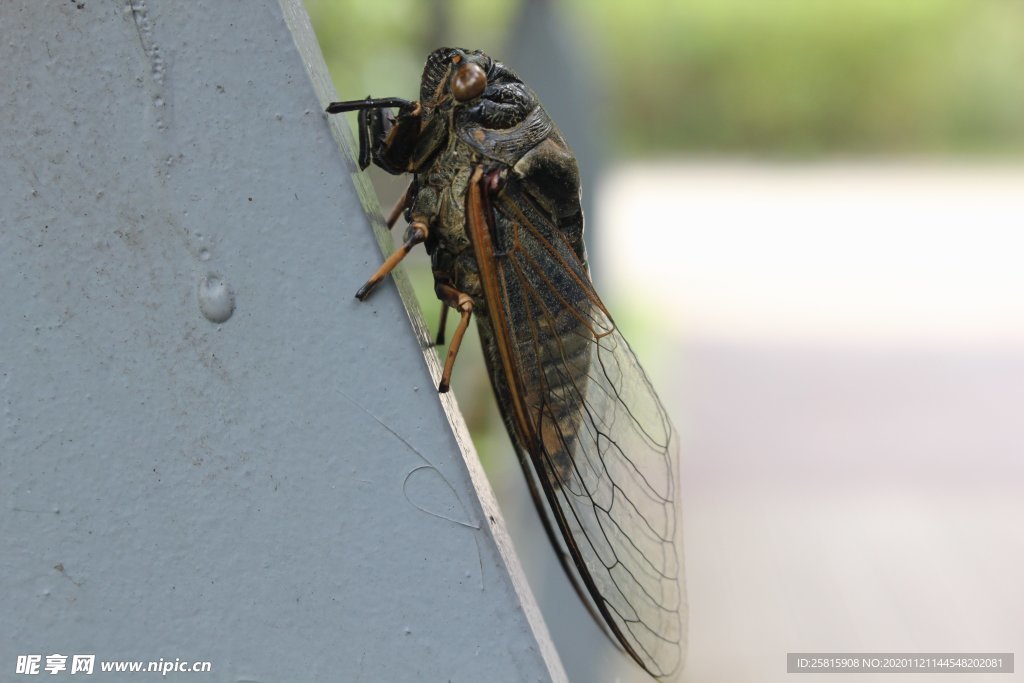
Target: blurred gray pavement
x,y
850,501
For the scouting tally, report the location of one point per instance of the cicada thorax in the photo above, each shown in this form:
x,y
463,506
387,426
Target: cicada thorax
x,y
439,200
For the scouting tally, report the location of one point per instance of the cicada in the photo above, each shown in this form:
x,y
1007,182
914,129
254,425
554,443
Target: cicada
x,y
495,198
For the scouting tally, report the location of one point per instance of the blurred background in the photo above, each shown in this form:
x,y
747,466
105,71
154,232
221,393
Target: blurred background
x,y
808,220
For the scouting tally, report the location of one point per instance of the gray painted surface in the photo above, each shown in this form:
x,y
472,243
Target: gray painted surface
x,y
208,449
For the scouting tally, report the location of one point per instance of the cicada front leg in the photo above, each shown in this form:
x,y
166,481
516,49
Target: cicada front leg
x,y
387,140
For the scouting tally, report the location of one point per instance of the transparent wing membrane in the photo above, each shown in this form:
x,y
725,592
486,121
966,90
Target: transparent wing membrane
x,y
600,440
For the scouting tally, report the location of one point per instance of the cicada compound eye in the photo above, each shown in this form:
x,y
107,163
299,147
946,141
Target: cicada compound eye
x,y
469,81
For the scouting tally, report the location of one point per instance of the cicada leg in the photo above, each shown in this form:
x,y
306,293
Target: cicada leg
x,y
396,211
461,302
399,207
417,233
386,140
439,341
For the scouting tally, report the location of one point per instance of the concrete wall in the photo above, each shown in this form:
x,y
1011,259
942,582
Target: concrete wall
x,y
209,450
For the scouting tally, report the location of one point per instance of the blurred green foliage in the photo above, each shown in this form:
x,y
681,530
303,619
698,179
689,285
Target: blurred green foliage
x,y
806,76
786,77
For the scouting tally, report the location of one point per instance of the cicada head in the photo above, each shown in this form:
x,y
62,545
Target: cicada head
x,y
454,75
486,92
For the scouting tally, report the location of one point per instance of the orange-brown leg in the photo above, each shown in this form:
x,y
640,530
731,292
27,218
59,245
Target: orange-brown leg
x,y
417,234
398,208
461,302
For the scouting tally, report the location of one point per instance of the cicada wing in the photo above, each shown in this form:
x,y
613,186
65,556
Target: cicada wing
x,y
602,445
